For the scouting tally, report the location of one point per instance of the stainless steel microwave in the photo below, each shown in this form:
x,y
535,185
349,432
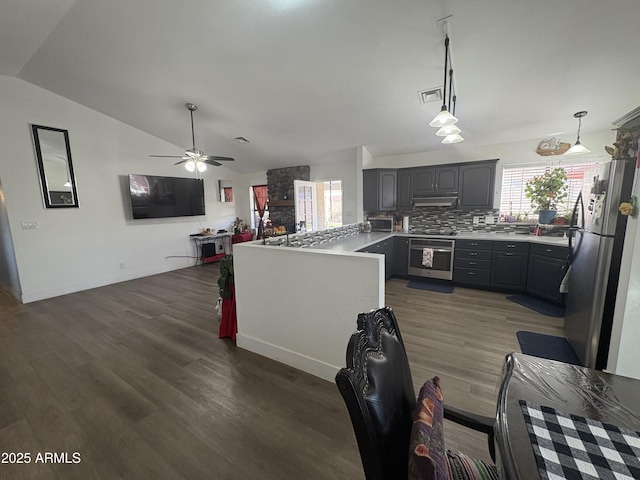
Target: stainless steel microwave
x,y
381,224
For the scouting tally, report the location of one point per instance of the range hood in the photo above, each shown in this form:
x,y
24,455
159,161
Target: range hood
x,y
436,201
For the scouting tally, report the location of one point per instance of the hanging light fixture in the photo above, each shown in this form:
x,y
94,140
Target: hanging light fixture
x,y
444,117
190,166
454,132
578,148
448,130
201,166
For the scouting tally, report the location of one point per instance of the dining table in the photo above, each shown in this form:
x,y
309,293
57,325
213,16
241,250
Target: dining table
x,y
557,420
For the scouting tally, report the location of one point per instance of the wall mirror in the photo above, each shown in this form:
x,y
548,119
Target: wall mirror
x,y
53,154
226,190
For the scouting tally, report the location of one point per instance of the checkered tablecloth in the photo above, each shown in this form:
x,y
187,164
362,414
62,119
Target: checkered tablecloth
x,y
574,447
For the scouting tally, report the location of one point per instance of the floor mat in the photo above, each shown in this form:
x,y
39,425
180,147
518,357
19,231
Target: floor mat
x,y
541,306
431,286
547,346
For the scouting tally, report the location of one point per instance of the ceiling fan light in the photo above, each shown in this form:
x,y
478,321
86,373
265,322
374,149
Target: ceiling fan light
x,y
443,118
577,149
448,130
453,138
190,166
201,166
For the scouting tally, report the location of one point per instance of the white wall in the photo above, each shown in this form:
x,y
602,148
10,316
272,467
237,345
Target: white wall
x,y
340,166
80,248
344,169
9,279
299,306
624,354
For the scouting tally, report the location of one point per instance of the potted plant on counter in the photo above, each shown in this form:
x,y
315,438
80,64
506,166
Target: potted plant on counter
x,y
546,192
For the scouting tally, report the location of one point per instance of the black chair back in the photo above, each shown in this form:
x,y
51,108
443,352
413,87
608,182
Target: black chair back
x,y
377,389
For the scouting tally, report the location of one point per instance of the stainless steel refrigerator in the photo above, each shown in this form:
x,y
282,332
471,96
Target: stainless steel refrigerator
x,y
596,241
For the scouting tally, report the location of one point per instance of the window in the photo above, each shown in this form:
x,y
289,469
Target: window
x,y
514,178
261,191
333,203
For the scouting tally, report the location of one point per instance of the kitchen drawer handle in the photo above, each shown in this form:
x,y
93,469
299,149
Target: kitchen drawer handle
x,y
472,263
509,254
471,273
474,244
511,245
548,250
473,254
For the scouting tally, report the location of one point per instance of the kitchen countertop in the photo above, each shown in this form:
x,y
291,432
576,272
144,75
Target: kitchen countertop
x,y
356,242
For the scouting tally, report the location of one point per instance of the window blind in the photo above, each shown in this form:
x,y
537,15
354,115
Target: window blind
x,y
514,178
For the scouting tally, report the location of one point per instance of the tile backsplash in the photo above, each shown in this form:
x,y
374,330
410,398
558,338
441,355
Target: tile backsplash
x,y
439,220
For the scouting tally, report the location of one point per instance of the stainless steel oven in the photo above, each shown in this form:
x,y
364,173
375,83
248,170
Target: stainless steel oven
x,y
431,257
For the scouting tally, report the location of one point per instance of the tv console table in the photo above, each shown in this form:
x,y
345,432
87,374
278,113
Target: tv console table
x,y
206,246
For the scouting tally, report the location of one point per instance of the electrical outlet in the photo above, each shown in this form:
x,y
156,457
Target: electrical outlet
x,y
489,219
476,219
30,225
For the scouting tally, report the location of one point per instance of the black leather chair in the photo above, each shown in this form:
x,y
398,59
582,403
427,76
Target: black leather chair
x,y
378,391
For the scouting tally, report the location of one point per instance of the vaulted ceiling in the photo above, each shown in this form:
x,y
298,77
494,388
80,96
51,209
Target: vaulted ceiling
x,y
307,80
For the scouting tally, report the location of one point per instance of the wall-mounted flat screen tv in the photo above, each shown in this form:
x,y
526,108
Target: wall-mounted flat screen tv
x,y
158,197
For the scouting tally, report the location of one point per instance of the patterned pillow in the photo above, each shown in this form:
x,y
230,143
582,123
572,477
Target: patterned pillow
x,y
465,468
427,458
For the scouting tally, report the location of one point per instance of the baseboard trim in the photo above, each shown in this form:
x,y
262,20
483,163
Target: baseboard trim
x,y
293,359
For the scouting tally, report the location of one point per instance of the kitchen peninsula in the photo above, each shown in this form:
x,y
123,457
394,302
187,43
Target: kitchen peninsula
x,y
299,305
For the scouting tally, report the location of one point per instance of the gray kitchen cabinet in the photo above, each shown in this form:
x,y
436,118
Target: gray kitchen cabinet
x,y
447,179
424,180
509,265
547,267
472,262
386,248
401,256
404,189
476,184
435,180
379,189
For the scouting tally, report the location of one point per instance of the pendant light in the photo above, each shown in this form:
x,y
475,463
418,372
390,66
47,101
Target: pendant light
x,y
444,117
578,148
454,135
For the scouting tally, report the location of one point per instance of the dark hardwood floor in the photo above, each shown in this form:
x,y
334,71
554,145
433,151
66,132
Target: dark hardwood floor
x,y
134,378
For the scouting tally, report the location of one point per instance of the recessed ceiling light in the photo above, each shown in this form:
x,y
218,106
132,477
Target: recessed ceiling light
x,y
429,96
242,140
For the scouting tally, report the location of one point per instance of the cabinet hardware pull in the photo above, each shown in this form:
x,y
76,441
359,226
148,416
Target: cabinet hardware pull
x,y
473,244
509,254
473,254
471,273
473,263
548,250
511,245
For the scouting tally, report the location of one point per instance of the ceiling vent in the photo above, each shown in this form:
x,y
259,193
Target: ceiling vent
x,y
430,96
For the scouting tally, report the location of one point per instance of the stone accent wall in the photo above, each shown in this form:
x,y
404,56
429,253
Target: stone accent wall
x,y
280,185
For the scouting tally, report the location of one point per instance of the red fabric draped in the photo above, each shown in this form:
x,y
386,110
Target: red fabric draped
x,y
229,320
260,197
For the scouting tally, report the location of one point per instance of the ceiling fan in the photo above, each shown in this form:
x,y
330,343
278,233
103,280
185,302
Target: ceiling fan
x,y
194,158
